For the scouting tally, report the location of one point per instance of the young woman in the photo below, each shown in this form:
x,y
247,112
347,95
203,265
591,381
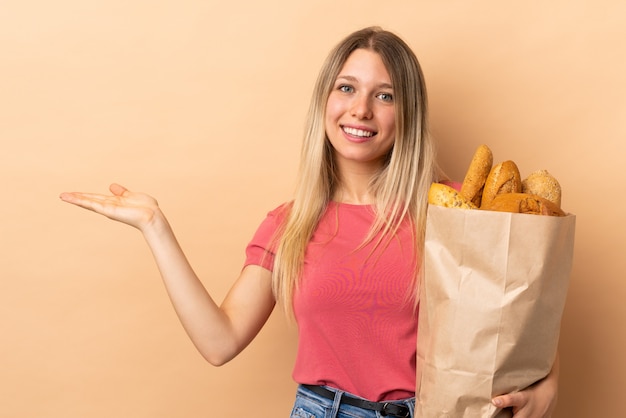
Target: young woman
x,y
343,256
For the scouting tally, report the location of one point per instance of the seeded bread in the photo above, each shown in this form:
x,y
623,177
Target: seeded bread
x,y
444,195
543,184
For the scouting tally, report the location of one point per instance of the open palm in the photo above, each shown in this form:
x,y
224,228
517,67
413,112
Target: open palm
x,y
135,209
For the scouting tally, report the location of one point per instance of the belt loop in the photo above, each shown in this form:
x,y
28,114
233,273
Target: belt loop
x,y
336,404
411,406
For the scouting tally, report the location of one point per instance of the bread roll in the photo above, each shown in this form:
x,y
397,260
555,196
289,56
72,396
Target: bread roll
x,y
543,184
476,175
443,195
523,203
503,178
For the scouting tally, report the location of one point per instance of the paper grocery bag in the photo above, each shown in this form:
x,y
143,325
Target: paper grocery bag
x,y
491,302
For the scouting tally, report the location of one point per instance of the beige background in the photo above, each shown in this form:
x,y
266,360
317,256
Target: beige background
x,y
201,103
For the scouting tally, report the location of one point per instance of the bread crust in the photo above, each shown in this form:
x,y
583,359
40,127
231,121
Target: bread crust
x,y
543,184
523,203
444,195
476,175
503,178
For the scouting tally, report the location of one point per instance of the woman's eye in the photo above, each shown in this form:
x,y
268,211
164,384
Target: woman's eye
x,y
387,97
346,89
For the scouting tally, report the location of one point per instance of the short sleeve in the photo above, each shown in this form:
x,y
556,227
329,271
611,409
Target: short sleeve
x,y
454,184
262,248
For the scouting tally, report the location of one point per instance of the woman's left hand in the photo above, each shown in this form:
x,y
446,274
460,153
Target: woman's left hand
x,y
536,401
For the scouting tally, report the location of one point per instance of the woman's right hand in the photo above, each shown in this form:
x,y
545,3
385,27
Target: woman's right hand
x,y
136,209
219,332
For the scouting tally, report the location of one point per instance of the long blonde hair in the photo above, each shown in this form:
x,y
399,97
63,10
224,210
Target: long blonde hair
x,y
401,187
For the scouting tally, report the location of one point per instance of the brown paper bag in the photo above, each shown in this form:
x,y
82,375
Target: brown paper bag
x,y
492,299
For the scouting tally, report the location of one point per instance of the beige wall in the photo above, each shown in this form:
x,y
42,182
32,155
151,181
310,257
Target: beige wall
x,y
202,106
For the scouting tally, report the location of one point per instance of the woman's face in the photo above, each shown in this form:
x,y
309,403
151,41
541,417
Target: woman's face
x,y
360,112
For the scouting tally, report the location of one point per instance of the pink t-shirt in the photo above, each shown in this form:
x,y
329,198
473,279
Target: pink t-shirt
x,y
356,318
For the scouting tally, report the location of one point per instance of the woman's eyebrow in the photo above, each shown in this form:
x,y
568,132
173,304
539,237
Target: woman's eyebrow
x,y
351,78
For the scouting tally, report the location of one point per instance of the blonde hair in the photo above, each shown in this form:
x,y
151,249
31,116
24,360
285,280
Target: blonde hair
x,y
400,188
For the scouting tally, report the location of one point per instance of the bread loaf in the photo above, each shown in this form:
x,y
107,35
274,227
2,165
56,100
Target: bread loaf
x,y
444,195
476,175
500,188
523,203
543,184
503,178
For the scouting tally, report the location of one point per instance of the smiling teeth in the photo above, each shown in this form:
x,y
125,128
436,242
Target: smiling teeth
x,y
358,132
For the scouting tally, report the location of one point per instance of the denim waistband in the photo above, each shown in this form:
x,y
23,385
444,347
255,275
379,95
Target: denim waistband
x,y
328,402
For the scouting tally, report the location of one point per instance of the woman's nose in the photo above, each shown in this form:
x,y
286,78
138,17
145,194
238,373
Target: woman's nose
x,y
362,107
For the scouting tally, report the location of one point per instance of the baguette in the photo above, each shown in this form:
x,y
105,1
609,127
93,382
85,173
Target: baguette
x,y
523,203
476,175
503,178
444,195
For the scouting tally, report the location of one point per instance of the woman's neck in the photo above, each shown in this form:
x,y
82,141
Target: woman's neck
x,y
355,185
353,198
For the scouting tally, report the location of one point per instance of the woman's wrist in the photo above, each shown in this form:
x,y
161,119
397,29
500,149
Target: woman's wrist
x,y
156,225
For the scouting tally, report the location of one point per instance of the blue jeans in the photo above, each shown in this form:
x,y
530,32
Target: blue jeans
x,y
311,405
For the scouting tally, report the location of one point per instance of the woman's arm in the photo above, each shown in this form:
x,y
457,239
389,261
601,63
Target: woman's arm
x,y
219,332
537,401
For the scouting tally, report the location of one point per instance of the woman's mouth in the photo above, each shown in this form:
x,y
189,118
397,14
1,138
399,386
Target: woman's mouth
x,y
358,133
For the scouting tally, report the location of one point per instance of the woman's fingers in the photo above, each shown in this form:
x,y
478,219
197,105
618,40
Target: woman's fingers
x,y
135,209
121,197
82,199
528,403
94,202
511,400
117,189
